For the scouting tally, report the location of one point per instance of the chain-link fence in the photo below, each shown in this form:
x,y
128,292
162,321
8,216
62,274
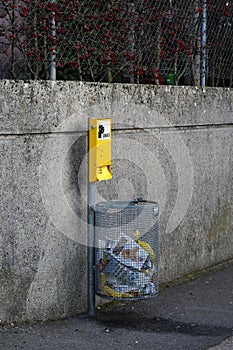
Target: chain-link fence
x,y
135,41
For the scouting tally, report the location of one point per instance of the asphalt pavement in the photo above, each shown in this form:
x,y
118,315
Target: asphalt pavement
x,y
195,313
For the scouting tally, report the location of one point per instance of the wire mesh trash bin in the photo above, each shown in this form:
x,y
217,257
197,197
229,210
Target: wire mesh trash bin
x,y
127,249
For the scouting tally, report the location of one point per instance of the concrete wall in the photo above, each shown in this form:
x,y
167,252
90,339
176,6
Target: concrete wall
x,y
173,145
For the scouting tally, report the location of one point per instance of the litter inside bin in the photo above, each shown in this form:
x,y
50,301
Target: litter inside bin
x,y
127,267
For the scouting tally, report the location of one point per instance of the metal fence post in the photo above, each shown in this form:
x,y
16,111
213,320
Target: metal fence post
x,y
203,43
52,63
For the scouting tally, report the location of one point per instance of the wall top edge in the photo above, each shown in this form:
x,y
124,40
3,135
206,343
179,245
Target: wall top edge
x,y
58,106
109,85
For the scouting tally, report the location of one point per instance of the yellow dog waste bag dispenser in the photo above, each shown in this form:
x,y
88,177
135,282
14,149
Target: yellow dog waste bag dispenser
x,y
100,137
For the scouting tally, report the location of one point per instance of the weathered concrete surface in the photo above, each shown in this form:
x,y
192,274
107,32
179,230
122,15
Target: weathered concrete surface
x,y
36,107
171,144
43,272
